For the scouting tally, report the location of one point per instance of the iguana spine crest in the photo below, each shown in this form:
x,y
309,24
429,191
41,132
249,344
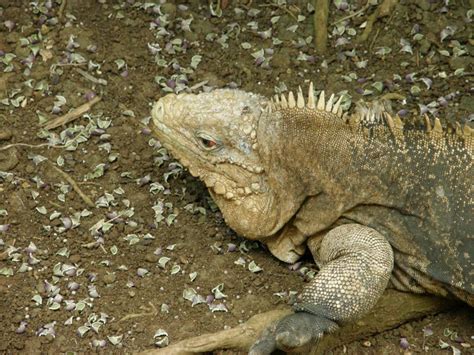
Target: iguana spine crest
x,y
367,114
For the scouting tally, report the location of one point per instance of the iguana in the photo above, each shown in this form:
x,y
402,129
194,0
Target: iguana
x,y
378,204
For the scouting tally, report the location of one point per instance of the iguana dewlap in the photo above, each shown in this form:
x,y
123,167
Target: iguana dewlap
x,y
376,203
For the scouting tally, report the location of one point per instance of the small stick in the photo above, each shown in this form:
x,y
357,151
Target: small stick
x,y
198,85
321,25
74,185
153,312
240,337
13,145
281,7
394,308
74,114
91,77
61,9
365,7
384,9
378,30
392,96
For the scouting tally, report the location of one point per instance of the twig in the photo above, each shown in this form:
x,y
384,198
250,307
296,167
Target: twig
x,y
384,9
74,114
321,25
90,77
154,312
70,64
378,31
365,7
393,309
61,9
392,96
240,337
13,145
198,85
281,7
74,185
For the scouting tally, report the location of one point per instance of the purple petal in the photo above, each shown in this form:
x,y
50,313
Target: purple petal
x,y
402,113
89,95
67,222
21,328
209,299
404,344
73,286
4,228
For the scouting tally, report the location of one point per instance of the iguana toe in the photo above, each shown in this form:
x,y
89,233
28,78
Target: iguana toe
x,y
294,333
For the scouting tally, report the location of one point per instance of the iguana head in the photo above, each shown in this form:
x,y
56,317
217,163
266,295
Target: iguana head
x,y
217,136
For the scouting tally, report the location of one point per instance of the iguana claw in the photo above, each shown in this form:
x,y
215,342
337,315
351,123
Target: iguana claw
x,y
293,333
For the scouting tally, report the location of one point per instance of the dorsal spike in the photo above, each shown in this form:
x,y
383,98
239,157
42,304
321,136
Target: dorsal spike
x,y
335,108
353,121
437,126
329,103
277,100
427,123
300,99
284,103
398,122
467,131
389,120
269,107
291,100
311,102
321,101
458,129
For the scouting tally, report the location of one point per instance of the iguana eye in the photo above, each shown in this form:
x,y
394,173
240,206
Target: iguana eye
x,y
207,142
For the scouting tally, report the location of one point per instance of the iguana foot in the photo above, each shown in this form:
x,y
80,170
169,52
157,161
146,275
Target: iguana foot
x,y
293,332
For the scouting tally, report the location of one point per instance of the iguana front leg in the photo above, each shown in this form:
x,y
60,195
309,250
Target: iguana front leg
x,y
356,262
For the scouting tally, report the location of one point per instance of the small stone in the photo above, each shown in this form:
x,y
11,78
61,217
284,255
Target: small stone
x,y
75,258
109,278
40,287
44,29
5,135
151,258
425,46
465,62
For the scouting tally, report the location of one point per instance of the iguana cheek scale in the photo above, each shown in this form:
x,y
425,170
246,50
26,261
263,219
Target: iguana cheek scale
x,y
376,203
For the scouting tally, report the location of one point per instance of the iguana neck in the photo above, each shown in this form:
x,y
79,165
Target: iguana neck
x,y
320,153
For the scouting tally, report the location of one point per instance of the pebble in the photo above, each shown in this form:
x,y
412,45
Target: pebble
x,y
109,278
40,288
75,258
151,258
5,135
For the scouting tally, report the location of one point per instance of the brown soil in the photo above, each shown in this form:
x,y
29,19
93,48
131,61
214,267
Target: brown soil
x,y
61,276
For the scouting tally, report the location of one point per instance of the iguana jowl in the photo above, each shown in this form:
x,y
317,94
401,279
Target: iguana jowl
x,y
377,204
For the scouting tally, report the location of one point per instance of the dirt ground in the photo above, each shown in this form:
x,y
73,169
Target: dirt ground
x,y
143,252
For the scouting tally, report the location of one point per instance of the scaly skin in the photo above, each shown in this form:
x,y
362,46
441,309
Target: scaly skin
x,y
375,203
